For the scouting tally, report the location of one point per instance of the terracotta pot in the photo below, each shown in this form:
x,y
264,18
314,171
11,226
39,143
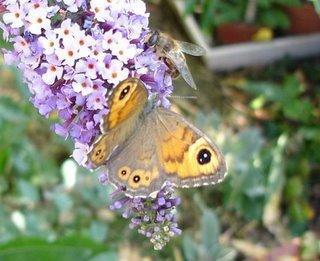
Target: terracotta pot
x,y
304,19
235,33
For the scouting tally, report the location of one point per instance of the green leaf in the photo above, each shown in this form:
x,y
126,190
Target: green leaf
x,y
291,3
98,231
190,248
226,13
310,246
310,133
292,87
63,201
271,91
264,3
294,189
190,6
20,84
276,181
4,44
206,20
258,103
72,248
210,230
5,156
10,111
275,19
29,192
298,212
106,256
316,5
276,177
299,110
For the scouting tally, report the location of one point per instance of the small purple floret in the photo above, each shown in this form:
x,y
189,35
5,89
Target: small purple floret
x,y
72,54
151,217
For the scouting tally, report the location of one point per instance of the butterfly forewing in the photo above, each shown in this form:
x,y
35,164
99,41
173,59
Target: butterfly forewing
x,y
126,103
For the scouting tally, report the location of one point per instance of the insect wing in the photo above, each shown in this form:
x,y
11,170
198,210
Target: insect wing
x,y
191,49
181,64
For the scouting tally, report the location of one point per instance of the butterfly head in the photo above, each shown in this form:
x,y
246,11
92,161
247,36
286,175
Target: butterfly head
x,y
152,103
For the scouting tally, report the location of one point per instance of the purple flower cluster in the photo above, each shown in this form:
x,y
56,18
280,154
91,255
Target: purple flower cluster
x,y
153,217
72,53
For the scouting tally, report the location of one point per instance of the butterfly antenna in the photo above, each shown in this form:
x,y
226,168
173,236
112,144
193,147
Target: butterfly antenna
x,y
183,97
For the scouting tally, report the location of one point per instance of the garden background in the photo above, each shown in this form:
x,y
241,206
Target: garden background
x,y
265,119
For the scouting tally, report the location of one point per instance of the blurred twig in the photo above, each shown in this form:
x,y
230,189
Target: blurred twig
x,y
272,214
251,12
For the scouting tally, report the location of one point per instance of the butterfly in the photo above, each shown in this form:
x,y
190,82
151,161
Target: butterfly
x,y
143,145
172,52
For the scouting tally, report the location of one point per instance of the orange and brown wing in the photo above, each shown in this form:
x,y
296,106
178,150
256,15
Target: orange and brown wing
x,y
125,105
164,148
186,155
127,100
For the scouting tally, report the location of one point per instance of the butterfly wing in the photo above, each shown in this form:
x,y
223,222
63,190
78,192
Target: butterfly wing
x,y
136,165
166,148
125,104
187,156
190,48
127,101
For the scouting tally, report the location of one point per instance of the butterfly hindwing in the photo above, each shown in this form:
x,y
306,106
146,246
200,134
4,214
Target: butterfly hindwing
x,y
187,156
165,147
135,165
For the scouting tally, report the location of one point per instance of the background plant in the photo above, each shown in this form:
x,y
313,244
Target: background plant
x,y
316,5
271,146
267,13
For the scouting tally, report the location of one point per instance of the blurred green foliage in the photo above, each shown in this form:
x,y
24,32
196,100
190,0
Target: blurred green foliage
x,y
36,200
267,13
316,5
295,114
52,208
69,248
